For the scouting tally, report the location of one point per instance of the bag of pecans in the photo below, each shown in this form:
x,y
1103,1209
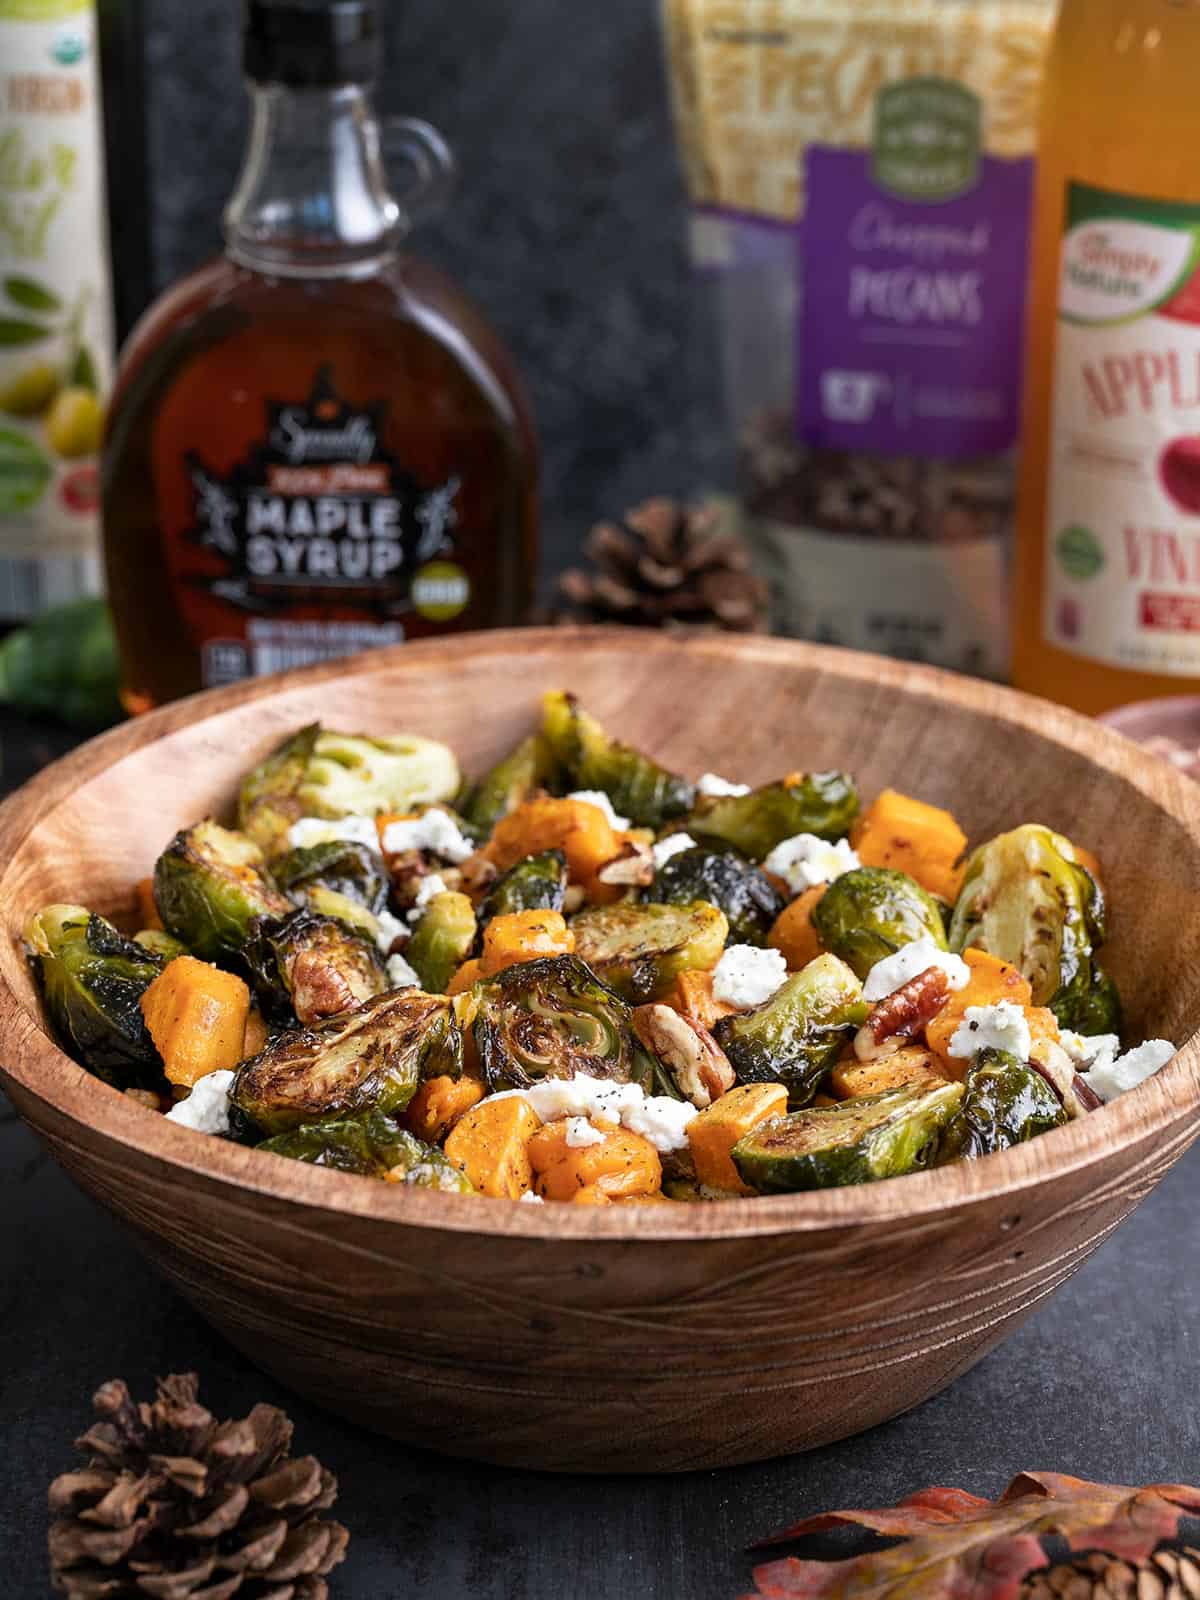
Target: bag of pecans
x,y
861,176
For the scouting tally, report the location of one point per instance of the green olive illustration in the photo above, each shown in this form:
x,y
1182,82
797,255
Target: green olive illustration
x,y
75,423
29,391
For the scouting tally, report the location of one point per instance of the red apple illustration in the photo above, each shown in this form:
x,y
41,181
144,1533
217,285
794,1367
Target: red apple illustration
x,y
80,489
1179,471
1185,306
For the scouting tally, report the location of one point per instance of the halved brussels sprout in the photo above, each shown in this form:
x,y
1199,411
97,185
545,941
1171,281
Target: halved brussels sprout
x,y
724,878
553,1019
1027,899
530,767
539,883
92,981
357,775
824,803
638,788
872,912
341,867
795,1038
312,967
269,800
639,950
444,938
1100,1009
859,1141
209,886
1006,1102
164,946
371,1059
373,1147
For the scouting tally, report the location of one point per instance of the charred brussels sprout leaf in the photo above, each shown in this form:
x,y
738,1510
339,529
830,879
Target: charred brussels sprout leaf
x,y
872,912
724,878
859,1141
348,869
1026,899
160,945
638,788
824,803
530,767
312,967
1100,1009
373,1147
1006,1102
371,1059
639,950
92,980
539,883
269,799
797,1035
553,1019
444,938
209,886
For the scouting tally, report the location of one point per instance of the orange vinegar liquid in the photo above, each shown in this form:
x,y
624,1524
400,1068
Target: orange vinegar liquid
x,y
1121,111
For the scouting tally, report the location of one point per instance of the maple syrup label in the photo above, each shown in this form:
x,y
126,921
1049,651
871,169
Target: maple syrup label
x,y
1123,540
316,543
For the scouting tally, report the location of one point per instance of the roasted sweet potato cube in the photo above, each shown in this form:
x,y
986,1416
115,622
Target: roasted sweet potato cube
x,y
713,1134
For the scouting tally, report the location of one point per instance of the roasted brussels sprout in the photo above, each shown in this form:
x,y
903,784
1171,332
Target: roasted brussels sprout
x,y
1100,1009
444,938
311,967
1026,899
539,883
161,945
209,886
371,1059
872,912
824,803
1006,1102
342,867
92,980
724,878
531,766
797,1035
553,1019
639,950
638,788
859,1141
373,1147
269,798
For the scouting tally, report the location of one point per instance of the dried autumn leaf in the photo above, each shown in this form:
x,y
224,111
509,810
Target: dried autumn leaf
x,y
960,1547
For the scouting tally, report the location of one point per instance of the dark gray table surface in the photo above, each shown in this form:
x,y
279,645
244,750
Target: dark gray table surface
x,y
1101,1382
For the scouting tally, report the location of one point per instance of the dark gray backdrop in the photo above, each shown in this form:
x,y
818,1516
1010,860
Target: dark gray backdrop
x,y
567,226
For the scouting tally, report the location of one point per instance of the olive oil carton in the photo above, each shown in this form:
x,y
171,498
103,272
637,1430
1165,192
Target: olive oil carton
x,y
861,180
55,304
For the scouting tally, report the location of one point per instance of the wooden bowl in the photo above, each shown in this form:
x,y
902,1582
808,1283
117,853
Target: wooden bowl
x,y
631,1339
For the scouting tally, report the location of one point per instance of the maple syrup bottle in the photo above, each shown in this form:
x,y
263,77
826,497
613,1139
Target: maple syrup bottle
x,y
316,445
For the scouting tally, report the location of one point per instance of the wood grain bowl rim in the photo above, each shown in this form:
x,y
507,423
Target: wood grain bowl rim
x,y
43,1071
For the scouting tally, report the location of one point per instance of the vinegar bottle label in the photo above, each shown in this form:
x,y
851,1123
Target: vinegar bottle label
x,y
1123,536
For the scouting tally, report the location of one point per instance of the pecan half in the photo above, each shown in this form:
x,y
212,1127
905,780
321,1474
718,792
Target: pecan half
x,y
476,875
901,1016
689,1052
1055,1065
632,869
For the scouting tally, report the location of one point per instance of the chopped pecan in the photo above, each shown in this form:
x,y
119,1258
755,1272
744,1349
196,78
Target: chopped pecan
x,y
476,875
632,869
689,1052
901,1016
574,898
1055,1065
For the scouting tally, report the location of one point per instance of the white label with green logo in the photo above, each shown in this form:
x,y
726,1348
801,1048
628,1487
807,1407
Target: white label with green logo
x,y
55,296
1123,545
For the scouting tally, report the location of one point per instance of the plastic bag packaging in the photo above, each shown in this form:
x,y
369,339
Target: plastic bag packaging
x,y
861,176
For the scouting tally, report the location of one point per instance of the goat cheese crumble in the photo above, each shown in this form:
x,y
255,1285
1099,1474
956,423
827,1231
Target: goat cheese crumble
x,y
673,845
435,831
661,1120
580,1133
909,962
746,976
1090,1050
390,929
1108,1077
656,1117
597,798
1002,1026
531,1199
804,861
309,831
400,974
206,1109
433,884
714,787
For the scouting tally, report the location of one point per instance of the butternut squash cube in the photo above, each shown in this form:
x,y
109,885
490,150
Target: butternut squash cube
x,y
852,1078
147,907
620,1165
490,1144
991,981
196,1015
922,840
692,996
439,1104
519,936
794,935
713,1134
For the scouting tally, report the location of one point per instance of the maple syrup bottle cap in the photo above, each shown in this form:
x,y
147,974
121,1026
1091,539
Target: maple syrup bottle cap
x,y
311,44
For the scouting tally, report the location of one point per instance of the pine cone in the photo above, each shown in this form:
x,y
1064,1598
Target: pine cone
x,y
1168,1575
667,566
176,1506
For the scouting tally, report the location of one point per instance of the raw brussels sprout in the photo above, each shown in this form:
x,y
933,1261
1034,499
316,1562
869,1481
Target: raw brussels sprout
x,y
371,1059
92,981
268,801
373,1147
553,1019
356,775
311,967
209,886
876,1136
724,878
1026,899
161,945
824,803
444,938
539,883
341,867
1006,1102
1100,1009
797,1035
872,912
530,767
638,788
639,950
